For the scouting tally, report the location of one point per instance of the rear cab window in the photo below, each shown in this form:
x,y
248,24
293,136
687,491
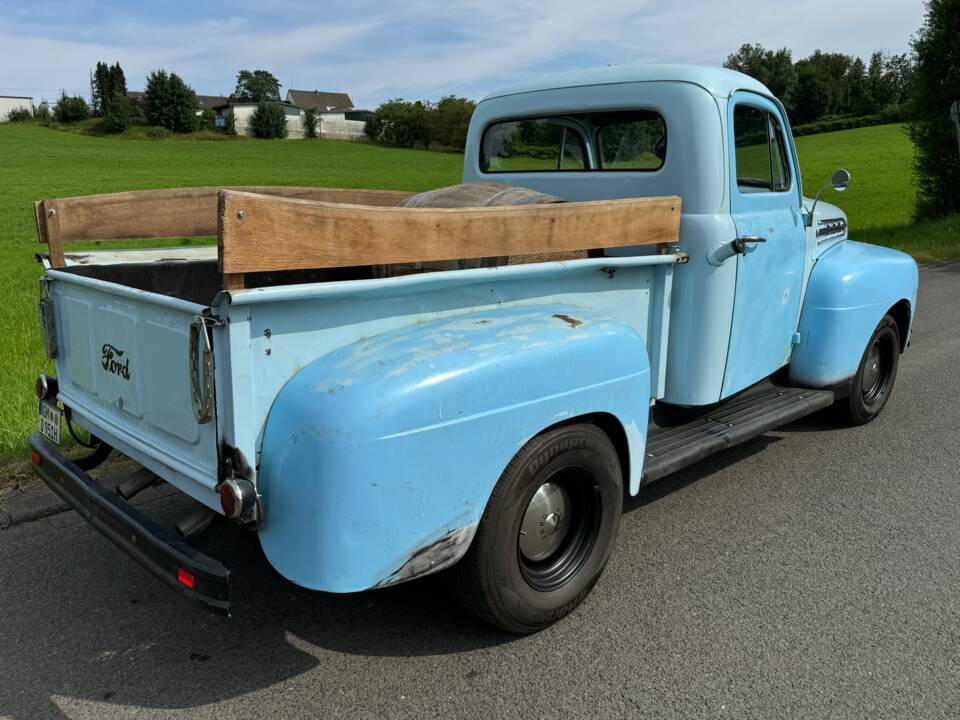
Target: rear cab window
x,y
612,141
540,144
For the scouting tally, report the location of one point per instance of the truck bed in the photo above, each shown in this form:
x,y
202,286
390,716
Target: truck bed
x,y
148,339
192,276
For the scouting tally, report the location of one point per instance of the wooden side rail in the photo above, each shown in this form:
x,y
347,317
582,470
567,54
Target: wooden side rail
x,y
173,212
258,233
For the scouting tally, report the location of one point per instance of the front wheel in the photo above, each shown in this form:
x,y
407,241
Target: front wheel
x,y
876,375
547,531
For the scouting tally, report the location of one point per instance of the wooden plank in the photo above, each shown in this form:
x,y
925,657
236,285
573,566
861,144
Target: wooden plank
x,y
174,212
40,215
171,212
259,233
234,281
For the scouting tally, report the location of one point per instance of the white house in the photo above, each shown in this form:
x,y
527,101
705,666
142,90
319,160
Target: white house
x,y
337,118
13,102
243,116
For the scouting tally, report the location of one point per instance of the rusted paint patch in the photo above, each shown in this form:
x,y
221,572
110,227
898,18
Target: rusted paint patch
x,y
572,322
436,556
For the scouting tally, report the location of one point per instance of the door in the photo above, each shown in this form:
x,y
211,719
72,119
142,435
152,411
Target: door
x,y
766,206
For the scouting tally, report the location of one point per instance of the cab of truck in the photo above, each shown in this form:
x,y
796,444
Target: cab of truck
x,y
749,301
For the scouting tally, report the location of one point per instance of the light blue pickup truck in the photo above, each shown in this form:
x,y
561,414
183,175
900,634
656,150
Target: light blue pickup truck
x,y
377,422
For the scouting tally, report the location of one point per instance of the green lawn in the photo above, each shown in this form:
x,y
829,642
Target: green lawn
x,y
881,191
37,162
879,201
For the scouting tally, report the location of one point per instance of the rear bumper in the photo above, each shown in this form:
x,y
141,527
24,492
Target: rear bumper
x,y
159,550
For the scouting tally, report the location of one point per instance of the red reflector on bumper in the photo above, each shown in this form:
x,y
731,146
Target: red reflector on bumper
x,y
35,458
185,578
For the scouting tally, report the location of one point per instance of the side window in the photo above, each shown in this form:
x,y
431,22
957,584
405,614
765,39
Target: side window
x,y
532,145
635,141
761,155
779,166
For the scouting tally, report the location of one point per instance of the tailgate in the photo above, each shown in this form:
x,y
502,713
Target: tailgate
x,y
123,367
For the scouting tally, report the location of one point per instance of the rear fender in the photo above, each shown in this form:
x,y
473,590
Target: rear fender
x,y
378,459
852,286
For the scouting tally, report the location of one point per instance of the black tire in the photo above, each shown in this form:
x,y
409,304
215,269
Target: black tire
x,y
496,579
875,377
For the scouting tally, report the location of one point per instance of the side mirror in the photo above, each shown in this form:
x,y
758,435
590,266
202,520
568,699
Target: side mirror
x,y
839,182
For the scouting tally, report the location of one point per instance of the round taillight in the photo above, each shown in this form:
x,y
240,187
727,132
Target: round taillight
x,y
237,497
46,387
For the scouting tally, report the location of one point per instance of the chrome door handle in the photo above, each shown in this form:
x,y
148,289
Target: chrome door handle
x,y
740,244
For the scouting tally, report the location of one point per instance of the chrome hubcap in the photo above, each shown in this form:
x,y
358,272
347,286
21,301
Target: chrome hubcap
x,y
544,525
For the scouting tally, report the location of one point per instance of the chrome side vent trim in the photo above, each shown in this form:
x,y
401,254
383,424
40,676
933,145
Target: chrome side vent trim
x,y
831,226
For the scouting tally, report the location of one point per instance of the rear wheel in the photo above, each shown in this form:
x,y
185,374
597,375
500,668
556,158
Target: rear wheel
x,y
876,375
547,532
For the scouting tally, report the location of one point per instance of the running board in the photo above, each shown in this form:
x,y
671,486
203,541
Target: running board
x,y
744,418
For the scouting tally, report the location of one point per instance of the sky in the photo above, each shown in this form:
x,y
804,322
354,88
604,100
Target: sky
x,y
417,49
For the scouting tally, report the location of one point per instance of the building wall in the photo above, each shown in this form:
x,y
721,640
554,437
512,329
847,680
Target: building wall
x,y
10,103
243,114
329,125
336,127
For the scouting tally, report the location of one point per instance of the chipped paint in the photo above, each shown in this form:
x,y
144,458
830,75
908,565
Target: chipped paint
x,y
437,555
425,397
572,322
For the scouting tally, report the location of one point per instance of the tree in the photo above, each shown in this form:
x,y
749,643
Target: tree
x,y
833,70
898,70
105,82
71,109
230,123
810,99
257,86
268,121
117,112
310,123
878,82
169,102
207,120
859,96
936,84
19,115
118,81
450,120
402,123
774,68
98,82
155,100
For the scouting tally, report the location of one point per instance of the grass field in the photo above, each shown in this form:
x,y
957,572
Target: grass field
x,y
37,162
879,201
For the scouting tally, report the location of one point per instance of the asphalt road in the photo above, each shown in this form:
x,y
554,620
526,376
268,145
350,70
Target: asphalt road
x,y
813,572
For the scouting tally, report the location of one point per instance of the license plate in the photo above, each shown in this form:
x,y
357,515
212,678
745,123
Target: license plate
x,y
50,416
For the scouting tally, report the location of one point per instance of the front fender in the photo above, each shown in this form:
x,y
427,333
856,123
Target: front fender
x,y
378,459
852,286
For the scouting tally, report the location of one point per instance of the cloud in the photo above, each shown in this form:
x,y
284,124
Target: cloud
x,y
207,54
422,48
